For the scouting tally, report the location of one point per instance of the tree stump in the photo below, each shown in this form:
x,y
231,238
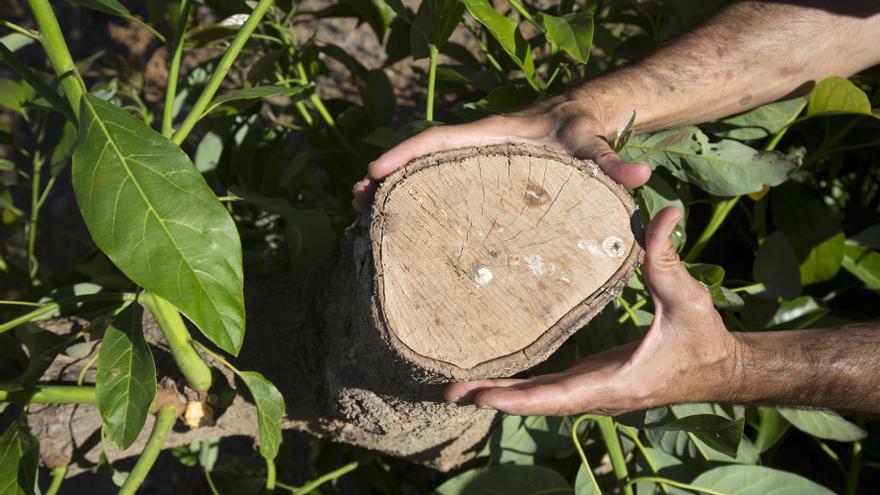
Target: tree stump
x,y
472,263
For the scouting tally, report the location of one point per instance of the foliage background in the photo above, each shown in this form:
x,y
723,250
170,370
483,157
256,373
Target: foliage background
x,y
346,87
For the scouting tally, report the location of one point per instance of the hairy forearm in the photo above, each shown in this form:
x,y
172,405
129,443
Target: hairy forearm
x,y
837,368
749,54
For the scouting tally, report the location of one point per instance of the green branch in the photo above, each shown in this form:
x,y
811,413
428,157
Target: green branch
x,y
219,74
58,53
51,394
432,78
191,364
58,474
615,452
719,214
580,451
57,305
165,420
174,70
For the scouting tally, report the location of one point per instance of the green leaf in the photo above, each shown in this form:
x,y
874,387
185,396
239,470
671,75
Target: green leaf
x,y
13,94
685,444
771,428
506,478
111,7
757,480
42,347
378,97
863,263
800,312
505,98
812,230
505,31
837,95
718,432
15,41
433,24
725,168
571,32
19,459
657,194
760,123
151,211
270,411
823,424
256,92
776,267
125,384
667,466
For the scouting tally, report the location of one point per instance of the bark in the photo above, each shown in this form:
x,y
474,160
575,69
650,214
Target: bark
x,y
343,341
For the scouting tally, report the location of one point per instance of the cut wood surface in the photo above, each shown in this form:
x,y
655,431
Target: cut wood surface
x,y
490,257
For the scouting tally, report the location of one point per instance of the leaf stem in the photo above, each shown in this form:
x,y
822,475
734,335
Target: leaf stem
x,y
526,15
56,305
270,474
580,450
196,372
677,484
58,53
332,475
432,78
58,474
30,33
719,213
137,20
855,465
220,72
174,69
82,373
165,420
615,452
51,394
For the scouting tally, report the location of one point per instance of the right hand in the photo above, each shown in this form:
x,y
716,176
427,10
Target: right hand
x,y
558,122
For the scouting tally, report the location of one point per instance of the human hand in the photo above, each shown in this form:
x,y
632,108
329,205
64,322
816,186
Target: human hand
x,y
563,123
687,354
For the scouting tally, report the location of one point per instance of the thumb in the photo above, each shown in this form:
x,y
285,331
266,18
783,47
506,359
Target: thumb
x,y
666,276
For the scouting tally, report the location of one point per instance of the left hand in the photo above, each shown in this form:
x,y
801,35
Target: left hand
x,y
687,354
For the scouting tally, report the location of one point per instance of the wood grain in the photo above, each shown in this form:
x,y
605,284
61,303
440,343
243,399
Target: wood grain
x,y
490,257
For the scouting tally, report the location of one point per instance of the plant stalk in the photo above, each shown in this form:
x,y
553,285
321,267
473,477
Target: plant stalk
x,y
580,450
332,475
174,70
165,420
219,74
719,214
58,53
191,364
58,474
615,452
56,305
51,394
677,484
270,474
432,80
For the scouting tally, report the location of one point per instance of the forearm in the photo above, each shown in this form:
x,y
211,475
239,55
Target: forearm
x,y
749,54
837,368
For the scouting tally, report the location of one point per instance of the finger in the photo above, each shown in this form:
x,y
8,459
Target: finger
x,y
666,276
630,175
480,133
464,391
363,192
556,398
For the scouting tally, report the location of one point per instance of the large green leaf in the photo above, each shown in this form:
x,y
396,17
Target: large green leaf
x,y
757,480
823,424
812,230
151,211
776,267
837,95
571,32
505,31
863,263
125,384
771,428
19,459
270,411
760,123
686,444
725,168
506,478
800,312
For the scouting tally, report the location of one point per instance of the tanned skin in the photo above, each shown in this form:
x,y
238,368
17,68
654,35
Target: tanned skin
x,y
749,54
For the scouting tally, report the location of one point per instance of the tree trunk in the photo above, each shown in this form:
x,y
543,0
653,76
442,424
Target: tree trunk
x,y
473,263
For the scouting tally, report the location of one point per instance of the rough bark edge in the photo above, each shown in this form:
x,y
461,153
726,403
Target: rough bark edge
x,y
541,348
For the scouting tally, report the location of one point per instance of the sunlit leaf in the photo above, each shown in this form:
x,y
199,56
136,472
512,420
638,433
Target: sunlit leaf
x,y
505,31
837,95
757,480
125,384
760,123
823,424
863,263
151,211
571,32
270,411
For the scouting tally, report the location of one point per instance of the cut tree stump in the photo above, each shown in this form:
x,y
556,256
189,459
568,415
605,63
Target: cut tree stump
x,y
473,263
